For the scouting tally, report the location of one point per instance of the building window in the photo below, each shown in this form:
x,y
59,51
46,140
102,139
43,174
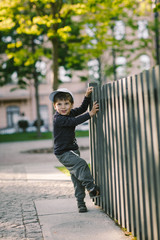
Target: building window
x,y
121,67
144,62
143,29
12,114
119,30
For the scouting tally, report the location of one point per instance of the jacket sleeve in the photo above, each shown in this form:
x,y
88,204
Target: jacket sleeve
x,y
83,108
64,121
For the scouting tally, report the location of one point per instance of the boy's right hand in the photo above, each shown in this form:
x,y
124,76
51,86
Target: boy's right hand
x,y
94,109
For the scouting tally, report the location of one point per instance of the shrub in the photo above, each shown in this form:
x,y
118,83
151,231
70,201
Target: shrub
x,y
23,124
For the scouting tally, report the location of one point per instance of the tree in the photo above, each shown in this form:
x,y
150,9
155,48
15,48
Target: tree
x,y
48,18
27,23
22,62
102,20
58,20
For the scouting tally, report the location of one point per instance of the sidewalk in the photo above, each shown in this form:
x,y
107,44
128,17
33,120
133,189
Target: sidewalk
x,y
61,221
37,200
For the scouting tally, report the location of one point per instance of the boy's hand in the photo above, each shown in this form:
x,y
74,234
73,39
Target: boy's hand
x,y
94,109
88,92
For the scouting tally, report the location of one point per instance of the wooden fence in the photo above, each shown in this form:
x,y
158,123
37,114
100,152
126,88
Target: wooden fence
x,y
125,146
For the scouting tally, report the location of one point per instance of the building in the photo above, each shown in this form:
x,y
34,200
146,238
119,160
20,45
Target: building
x,y
18,101
12,103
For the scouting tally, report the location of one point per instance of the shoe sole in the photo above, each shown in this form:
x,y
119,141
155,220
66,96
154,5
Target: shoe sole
x,y
83,211
97,196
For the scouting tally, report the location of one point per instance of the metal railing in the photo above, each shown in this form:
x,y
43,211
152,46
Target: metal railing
x,y
125,146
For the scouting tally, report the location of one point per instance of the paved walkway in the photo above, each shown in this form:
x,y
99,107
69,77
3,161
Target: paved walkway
x,y
37,200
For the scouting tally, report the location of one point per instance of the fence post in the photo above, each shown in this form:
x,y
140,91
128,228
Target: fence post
x,y
92,138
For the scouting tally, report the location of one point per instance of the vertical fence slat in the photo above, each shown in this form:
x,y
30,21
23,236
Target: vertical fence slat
x,y
92,140
110,151
96,145
129,146
122,156
119,158
132,155
136,157
113,134
141,158
126,152
147,161
100,145
116,151
103,143
155,109
107,150
153,153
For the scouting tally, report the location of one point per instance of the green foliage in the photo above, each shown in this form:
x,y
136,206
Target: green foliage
x,y
23,124
25,22
103,19
157,7
22,57
31,23
36,123
83,79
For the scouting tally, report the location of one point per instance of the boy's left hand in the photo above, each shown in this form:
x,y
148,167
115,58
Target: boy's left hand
x,y
89,91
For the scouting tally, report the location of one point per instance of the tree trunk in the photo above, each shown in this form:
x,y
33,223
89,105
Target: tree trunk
x,y
36,85
157,37
37,105
55,9
99,70
55,63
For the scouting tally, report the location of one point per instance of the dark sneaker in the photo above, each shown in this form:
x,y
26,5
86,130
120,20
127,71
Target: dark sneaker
x,y
95,192
82,209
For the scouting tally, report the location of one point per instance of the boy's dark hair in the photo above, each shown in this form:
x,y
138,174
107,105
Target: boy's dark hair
x,y
63,96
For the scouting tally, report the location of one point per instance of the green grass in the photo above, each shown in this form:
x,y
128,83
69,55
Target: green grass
x,y
65,170
82,133
16,137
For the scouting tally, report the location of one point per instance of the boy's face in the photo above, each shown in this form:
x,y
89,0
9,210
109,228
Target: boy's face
x,y
63,107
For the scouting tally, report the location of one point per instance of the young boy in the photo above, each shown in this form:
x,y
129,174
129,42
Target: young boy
x,y
65,146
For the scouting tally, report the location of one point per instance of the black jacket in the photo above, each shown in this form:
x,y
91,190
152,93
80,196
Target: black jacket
x,y
64,128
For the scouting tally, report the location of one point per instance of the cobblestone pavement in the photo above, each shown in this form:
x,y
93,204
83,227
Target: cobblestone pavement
x,y
18,216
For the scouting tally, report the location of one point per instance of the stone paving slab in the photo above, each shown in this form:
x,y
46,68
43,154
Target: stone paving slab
x,y
32,171
59,219
45,172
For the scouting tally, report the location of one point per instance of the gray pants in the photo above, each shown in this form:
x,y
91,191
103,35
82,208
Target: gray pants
x,y
80,172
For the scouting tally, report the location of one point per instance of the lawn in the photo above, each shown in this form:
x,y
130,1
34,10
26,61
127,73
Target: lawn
x,y
30,136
